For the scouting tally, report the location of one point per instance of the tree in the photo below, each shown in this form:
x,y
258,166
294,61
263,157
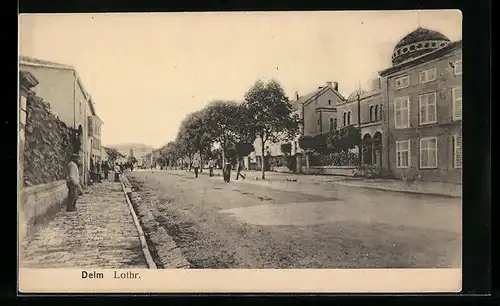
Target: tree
x,y
132,160
270,114
286,148
223,123
113,154
344,139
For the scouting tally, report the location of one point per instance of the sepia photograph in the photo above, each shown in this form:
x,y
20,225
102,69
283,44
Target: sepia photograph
x,y
235,151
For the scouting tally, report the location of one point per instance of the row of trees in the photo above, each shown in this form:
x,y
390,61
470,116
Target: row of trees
x,y
265,114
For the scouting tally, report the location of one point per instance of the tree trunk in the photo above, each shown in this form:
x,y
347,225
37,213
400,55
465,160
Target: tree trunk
x,y
189,166
201,162
263,169
307,160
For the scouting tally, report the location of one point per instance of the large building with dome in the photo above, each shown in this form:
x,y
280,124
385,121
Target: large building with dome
x,y
422,90
410,118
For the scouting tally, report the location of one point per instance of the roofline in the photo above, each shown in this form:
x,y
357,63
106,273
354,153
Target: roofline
x,y
441,52
26,60
318,92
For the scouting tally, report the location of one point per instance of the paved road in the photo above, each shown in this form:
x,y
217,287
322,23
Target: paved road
x,y
100,234
308,225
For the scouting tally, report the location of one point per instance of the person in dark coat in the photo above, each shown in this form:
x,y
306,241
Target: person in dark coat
x,y
105,169
227,171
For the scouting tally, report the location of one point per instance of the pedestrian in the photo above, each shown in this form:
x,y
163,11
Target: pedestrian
x,y
196,167
239,168
211,167
98,171
227,171
117,172
73,183
105,169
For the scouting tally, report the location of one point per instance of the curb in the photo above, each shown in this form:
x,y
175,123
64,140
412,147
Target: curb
x,y
167,253
399,190
145,249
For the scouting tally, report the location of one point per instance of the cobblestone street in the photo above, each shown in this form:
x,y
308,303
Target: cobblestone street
x,y
100,234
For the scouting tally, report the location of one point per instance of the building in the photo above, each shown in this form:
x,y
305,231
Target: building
x,y
317,111
364,109
422,127
62,88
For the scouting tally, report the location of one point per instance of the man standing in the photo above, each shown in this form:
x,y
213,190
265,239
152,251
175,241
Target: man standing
x,y
73,183
117,172
196,166
211,167
105,169
227,170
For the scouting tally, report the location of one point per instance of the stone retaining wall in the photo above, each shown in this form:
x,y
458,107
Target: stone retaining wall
x,y
37,203
330,170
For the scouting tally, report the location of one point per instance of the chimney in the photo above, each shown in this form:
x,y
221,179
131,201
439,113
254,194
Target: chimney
x,y
329,83
336,86
297,95
320,87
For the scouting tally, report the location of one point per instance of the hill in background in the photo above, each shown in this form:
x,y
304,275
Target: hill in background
x,y
139,149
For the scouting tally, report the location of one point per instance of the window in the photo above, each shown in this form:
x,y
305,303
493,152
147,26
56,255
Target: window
x,y
457,70
331,124
349,118
402,82
428,153
335,123
381,111
376,112
345,119
329,102
403,154
371,113
457,103
402,112
457,151
428,75
427,106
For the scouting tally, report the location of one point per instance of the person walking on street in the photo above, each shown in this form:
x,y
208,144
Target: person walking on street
x,y
239,168
73,183
117,172
227,171
196,167
211,167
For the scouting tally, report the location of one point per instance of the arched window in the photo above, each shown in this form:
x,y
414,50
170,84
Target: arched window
x,y
345,119
381,111
371,113
331,124
376,112
349,118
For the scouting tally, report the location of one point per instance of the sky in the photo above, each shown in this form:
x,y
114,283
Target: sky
x,y
146,72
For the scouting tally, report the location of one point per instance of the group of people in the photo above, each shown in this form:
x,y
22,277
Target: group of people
x,y
226,170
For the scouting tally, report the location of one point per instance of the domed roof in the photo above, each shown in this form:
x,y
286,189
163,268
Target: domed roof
x,y
420,35
417,43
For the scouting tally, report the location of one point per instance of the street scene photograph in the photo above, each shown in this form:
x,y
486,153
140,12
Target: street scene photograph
x,y
240,140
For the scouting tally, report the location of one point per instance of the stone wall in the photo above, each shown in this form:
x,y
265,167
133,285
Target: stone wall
x,y
330,170
38,202
48,145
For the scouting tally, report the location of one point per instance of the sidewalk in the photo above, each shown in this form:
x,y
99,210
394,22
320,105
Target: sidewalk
x,y
100,234
284,180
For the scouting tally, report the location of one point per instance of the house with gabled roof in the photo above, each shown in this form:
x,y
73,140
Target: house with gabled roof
x,y
62,88
317,111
